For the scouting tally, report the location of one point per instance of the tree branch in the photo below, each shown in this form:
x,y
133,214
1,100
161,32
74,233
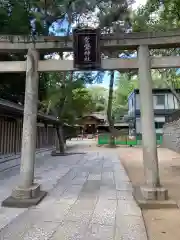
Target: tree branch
x,y
166,81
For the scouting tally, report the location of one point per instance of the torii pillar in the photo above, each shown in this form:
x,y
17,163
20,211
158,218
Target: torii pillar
x,y
28,193
152,190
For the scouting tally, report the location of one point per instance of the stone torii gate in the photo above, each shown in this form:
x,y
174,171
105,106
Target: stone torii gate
x,y
27,193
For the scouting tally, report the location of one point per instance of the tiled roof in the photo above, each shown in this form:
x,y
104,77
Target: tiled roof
x,y
98,115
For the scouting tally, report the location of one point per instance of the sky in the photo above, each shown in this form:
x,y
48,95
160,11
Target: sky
x,y
138,3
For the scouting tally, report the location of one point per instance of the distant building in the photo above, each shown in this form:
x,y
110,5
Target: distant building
x,y
97,122
91,122
165,104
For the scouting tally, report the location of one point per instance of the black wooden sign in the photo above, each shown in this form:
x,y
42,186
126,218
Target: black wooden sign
x,y
86,47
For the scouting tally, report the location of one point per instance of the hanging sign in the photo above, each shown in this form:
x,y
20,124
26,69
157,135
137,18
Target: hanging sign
x,y
86,48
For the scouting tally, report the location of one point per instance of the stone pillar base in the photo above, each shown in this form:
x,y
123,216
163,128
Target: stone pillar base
x,y
24,197
153,198
150,193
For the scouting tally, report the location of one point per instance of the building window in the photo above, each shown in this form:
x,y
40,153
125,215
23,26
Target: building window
x,y
159,125
160,99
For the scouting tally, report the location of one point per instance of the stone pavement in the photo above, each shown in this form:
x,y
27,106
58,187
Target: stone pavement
x,y
90,198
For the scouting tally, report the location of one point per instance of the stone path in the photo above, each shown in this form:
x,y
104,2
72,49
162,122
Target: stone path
x,y
90,198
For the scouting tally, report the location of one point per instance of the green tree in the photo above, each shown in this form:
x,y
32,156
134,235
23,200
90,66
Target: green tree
x,y
159,15
99,96
124,86
68,99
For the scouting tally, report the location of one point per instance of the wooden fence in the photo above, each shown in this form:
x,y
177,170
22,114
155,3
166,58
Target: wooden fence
x,y
11,136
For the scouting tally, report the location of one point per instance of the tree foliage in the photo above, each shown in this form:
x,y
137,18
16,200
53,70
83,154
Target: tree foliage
x,y
124,86
68,96
99,97
159,15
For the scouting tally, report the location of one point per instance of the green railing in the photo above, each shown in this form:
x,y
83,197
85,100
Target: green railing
x,y
103,139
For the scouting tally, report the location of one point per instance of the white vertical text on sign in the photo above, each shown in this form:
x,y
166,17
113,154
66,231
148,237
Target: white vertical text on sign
x,y
86,49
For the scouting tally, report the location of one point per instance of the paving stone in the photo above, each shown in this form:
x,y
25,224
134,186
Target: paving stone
x,y
108,179
100,232
124,186
9,164
66,201
90,189
47,184
107,169
79,180
82,173
97,170
40,231
105,212
46,202
15,229
107,163
107,192
58,191
4,193
72,192
130,228
9,214
69,176
94,177
86,194
63,170
70,231
81,211
108,175
53,213
121,176
124,195
127,208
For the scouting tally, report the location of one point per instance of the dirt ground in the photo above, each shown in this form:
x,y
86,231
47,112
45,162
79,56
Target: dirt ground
x,y
162,224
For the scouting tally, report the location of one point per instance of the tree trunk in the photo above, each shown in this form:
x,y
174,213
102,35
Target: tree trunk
x,y
48,108
59,129
60,135
109,111
173,91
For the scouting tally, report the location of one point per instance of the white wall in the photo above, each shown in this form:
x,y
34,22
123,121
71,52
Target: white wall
x,y
170,102
160,130
131,105
156,119
138,125
159,119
